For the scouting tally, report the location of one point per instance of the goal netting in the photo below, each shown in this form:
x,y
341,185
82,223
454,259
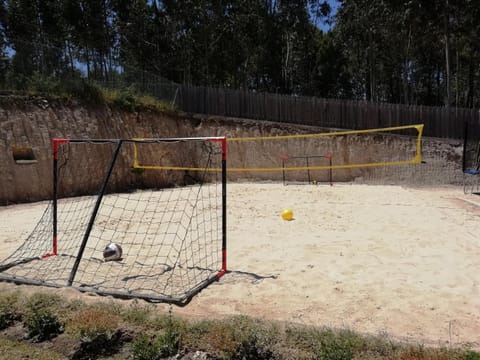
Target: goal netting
x,y
308,165
170,223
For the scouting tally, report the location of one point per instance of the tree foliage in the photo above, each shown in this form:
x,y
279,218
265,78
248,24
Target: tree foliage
x,y
412,52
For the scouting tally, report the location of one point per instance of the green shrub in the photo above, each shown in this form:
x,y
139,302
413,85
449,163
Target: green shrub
x,y
472,355
240,337
45,85
151,102
40,319
97,329
251,349
7,318
9,312
42,325
83,90
336,345
254,338
169,342
143,349
105,343
163,346
126,100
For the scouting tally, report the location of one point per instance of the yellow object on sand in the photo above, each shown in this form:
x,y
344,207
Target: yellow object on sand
x,y
287,214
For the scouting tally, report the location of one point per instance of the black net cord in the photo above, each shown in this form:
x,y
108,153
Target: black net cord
x,y
224,214
465,137
55,194
94,213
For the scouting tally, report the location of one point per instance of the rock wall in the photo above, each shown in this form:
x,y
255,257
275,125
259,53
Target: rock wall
x,y
32,123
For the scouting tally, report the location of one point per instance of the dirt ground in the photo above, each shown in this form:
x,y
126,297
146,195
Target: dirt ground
x,y
376,259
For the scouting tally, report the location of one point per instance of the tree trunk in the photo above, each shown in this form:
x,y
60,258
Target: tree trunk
x,y
70,58
406,67
457,72
447,53
471,81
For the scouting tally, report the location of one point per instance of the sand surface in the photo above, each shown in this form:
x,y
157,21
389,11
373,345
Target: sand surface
x,y
376,259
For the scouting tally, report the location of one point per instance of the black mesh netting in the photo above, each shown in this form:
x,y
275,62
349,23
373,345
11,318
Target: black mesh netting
x,y
168,222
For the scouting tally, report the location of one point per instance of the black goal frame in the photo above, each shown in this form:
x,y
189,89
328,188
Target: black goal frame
x,y
155,298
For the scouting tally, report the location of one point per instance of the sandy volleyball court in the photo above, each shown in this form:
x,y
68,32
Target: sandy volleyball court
x,y
405,261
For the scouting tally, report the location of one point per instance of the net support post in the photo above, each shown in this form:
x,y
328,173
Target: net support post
x,y
224,207
308,170
284,158
94,213
56,143
464,155
418,155
330,175
223,141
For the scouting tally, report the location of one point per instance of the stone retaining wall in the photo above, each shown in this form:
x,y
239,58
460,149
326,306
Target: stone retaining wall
x,y
32,123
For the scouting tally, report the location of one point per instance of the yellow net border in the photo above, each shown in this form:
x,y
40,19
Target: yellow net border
x,y
415,160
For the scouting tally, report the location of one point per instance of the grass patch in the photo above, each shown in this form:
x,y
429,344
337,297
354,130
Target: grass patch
x,y
240,337
97,328
43,301
329,344
19,350
137,314
103,331
126,98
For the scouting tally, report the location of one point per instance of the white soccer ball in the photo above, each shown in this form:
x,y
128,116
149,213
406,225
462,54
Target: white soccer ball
x,y
112,251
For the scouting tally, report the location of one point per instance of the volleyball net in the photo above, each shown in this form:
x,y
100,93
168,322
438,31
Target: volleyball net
x,y
309,158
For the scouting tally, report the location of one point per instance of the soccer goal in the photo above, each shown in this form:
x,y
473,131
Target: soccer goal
x,y
471,158
170,224
307,175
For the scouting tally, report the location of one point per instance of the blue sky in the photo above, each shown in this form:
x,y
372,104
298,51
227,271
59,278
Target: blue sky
x,y
334,4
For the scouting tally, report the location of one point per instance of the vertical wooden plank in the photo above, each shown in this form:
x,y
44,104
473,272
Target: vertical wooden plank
x,y
439,121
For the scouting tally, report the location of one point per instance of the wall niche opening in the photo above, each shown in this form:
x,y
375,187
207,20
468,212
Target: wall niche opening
x,y
23,155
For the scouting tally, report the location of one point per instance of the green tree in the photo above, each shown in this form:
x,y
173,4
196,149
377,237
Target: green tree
x,y
22,31
91,34
330,77
36,32
3,44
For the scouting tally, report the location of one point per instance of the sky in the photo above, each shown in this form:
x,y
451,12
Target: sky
x,y
334,4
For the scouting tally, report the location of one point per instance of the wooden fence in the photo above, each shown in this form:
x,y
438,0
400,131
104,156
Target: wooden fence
x,y
439,121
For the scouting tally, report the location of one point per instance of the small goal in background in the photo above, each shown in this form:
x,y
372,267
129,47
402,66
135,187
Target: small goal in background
x,y
310,169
